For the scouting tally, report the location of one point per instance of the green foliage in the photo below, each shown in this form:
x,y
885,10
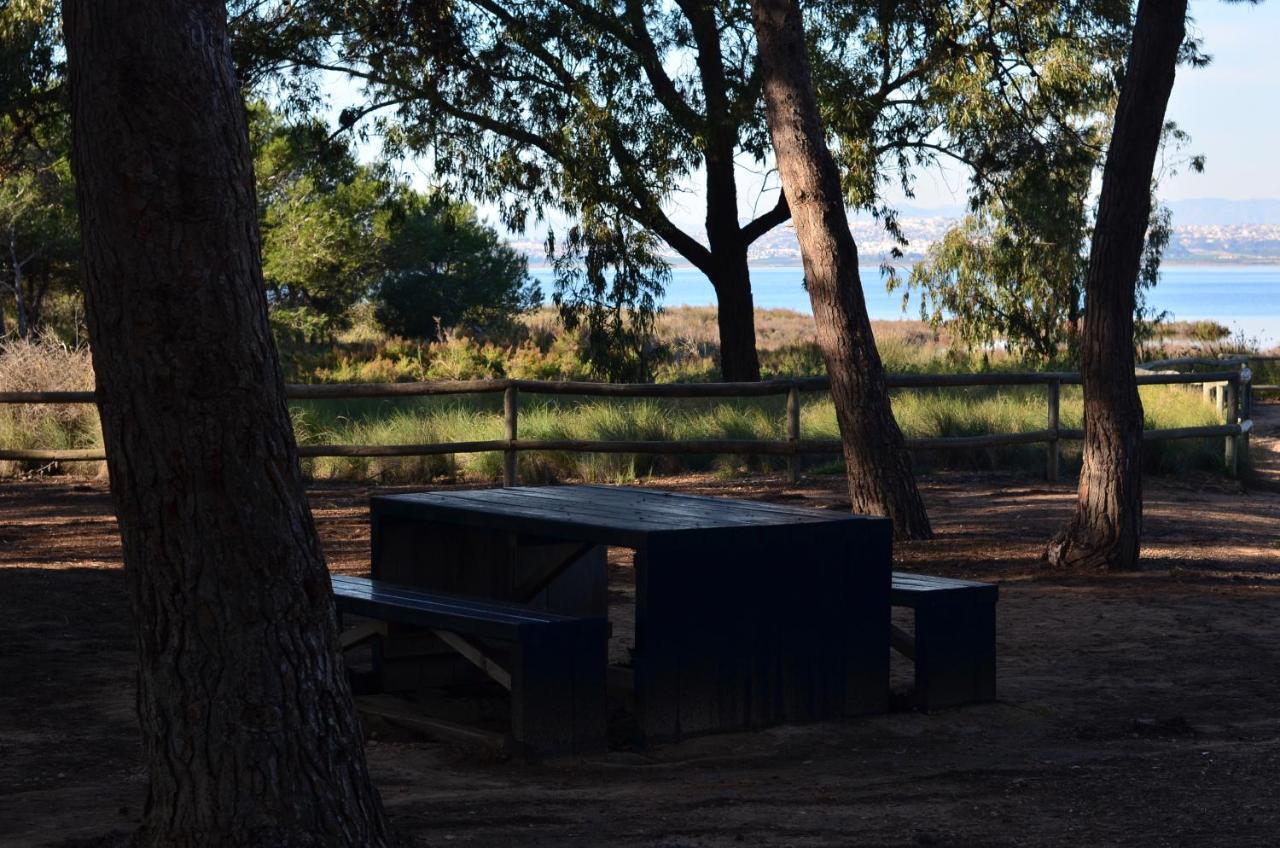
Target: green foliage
x,y
30,75
609,278
324,220
39,233
39,241
336,232
444,268
1013,271
605,112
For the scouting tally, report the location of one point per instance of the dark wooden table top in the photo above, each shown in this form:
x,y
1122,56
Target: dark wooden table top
x,y
615,513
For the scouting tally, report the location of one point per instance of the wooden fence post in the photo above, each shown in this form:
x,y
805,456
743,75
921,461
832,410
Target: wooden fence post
x,y
1051,451
1246,410
1229,416
510,407
793,432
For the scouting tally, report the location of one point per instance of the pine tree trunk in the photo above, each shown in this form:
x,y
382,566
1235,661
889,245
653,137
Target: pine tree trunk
x,y
879,469
1106,530
248,727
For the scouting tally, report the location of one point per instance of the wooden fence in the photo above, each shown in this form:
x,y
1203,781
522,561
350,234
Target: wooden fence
x,y
1230,387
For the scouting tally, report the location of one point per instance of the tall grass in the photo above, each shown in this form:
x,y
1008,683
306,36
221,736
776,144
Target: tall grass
x,y
48,365
920,413
45,364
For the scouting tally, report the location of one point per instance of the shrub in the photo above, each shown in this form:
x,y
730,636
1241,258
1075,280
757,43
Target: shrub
x,y
45,364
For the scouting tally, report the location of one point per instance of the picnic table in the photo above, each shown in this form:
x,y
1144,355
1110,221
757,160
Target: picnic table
x,y
747,613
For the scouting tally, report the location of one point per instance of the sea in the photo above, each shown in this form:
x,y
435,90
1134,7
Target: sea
x,y
1244,298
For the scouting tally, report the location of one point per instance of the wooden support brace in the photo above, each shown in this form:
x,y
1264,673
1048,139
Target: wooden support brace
x,y
527,590
406,715
902,641
361,633
476,656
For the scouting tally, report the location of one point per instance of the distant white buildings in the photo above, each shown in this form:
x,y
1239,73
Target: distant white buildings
x,y
1239,243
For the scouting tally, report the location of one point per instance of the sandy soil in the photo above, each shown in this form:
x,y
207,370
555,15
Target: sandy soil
x,y
1135,709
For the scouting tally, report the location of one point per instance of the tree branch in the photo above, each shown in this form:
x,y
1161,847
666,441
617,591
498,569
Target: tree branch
x,y
780,212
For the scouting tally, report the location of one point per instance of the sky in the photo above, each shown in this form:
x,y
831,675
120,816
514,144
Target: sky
x,y
1231,109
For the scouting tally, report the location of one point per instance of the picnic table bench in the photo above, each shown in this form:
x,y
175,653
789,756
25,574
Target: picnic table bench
x,y
553,665
954,647
747,613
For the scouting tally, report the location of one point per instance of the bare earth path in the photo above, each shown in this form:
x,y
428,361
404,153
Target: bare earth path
x,y
1136,709
1264,444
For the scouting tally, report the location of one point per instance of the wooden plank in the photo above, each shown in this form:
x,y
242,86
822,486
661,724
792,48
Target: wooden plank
x,y
685,501
476,657
558,693
456,511
362,632
855,609
744,627
324,391
510,417
990,441
47,397
793,431
648,390
403,714
665,509
955,655
492,446
916,590
40,455
644,500
432,611
902,641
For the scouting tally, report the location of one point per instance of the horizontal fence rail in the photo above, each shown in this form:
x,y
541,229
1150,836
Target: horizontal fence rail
x,y
358,391
1229,387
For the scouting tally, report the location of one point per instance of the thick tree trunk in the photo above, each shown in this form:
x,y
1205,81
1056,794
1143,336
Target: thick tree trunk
x,y
1106,530
880,478
248,727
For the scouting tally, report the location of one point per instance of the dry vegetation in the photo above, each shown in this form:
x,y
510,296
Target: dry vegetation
x,y
540,349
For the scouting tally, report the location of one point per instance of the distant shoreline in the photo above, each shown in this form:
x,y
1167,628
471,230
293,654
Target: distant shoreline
x,y
1261,262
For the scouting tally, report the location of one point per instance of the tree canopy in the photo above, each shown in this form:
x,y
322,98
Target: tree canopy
x,y
609,110
444,268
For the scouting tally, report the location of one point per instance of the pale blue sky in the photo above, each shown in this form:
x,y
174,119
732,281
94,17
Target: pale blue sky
x,y
1231,109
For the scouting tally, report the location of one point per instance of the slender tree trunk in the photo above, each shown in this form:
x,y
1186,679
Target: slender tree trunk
x,y
728,272
19,301
1106,530
879,469
248,728
735,314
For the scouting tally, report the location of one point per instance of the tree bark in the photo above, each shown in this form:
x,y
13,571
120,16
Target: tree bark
x,y
879,468
1106,530
735,318
728,272
248,727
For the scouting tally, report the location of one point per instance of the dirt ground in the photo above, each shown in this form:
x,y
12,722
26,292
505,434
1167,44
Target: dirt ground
x,y
1135,709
